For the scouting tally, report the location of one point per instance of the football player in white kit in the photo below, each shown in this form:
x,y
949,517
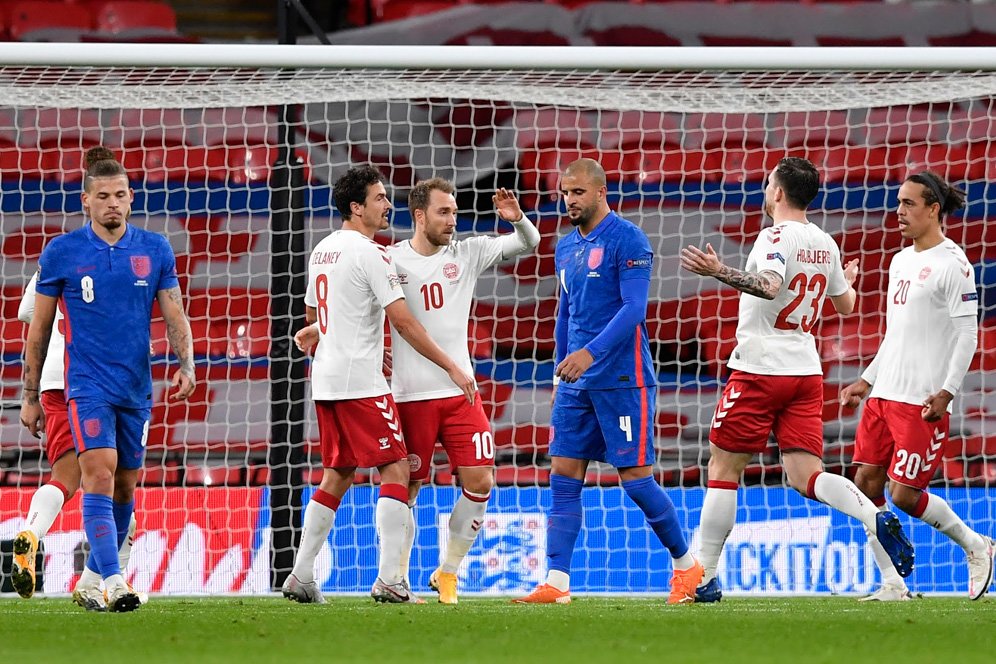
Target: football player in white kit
x,y
930,337
776,383
352,283
439,275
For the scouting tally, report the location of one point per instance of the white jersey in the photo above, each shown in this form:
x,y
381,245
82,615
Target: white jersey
x,y
774,337
439,289
926,290
53,371
351,279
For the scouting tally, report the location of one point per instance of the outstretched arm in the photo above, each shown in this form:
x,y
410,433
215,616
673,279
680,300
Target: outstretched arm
x,y
180,340
764,284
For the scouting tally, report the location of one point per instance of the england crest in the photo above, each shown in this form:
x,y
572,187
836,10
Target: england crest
x,y
595,257
141,266
91,427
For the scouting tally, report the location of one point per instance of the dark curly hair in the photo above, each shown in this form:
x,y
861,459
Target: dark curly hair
x,y
352,188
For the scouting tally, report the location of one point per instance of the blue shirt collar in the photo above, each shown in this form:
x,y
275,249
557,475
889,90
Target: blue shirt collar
x,y
609,220
101,245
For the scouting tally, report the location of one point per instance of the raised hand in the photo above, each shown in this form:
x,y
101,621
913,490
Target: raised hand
x,y
507,205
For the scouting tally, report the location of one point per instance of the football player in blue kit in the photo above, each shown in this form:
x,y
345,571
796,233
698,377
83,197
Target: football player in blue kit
x,y
105,277
605,381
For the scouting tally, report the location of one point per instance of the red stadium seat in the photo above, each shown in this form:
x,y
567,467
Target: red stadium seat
x,y
65,126
962,161
134,17
730,130
673,165
971,38
851,339
811,128
522,476
831,40
18,164
196,474
235,302
900,125
742,40
43,20
669,425
750,164
150,126
524,438
393,10
61,163
192,165
851,163
167,413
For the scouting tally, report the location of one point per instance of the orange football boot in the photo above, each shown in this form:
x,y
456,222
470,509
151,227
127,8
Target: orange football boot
x,y
547,594
684,583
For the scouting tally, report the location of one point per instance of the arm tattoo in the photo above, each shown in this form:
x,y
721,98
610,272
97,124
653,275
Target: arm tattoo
x,y
765,284
178,332
32,370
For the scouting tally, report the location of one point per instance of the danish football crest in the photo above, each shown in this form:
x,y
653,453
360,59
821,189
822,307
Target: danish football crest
x,y
595,257
450,271
924,273
141,266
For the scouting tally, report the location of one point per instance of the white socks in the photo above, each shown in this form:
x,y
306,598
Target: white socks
x,y
318,520
939,515
559,580
124,553
45,506
719,514
465,523
841,494
392,526
408,543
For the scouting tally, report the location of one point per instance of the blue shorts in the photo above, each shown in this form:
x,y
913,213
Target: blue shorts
x,y
613,426
95,423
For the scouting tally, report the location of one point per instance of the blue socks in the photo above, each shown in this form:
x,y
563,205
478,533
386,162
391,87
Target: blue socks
x,y
660,513
101,532
122,519
564,522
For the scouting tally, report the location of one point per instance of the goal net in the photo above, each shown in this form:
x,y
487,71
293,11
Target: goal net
x,y
686,148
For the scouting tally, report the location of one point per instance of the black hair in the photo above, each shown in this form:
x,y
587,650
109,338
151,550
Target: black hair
x,y
352,188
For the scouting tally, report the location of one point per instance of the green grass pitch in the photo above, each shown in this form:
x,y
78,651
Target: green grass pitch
x,y
597,629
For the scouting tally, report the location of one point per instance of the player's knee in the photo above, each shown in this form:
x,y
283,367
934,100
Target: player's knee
x,y
480,486
123,494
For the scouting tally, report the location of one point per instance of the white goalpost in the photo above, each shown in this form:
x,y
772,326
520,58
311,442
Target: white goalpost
x,y
232,151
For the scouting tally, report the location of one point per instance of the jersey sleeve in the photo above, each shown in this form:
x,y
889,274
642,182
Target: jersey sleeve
x,y
838,282
959,289
485,251
51,281
167,271
634,257
381,274
26,309
771,252
310,298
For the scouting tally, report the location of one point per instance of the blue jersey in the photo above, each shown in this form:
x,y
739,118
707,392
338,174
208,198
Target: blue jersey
x,y
591,270
106,293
